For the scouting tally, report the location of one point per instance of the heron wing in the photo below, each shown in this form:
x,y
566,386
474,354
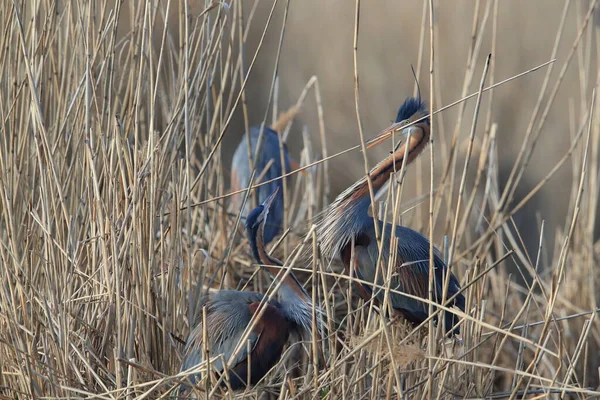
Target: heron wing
x,y
409,280
227,316
410,274
273,331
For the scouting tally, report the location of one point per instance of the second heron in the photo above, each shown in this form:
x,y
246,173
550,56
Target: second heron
x,y
346,230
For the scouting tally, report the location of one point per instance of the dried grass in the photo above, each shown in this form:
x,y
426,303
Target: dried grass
x,y
114,219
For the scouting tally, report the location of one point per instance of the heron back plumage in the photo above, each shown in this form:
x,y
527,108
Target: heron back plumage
x,y
228,313
411,273
241,174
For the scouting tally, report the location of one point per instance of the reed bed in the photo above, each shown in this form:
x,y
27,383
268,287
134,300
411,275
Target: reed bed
x,y
115,216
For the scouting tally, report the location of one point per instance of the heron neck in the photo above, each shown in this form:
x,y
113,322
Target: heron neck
x,y
295,302
291,287
382,172
348,215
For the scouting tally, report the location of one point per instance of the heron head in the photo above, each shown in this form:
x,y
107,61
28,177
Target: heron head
x,y
259,214
411,110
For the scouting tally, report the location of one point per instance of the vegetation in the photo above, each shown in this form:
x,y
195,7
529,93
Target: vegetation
x,y
115,121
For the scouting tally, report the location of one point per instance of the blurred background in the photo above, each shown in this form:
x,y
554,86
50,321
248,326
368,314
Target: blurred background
x,y
318,41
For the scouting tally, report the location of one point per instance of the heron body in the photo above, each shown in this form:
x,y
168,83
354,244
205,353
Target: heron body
x,y
241,174
229,313
347,231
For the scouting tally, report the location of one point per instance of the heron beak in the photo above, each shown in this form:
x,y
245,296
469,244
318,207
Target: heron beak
x,y
386,134
267,203
295,166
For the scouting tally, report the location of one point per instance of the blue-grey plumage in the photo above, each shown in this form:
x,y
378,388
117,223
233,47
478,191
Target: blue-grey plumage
x,y
346,220
410,275
229,312
241,173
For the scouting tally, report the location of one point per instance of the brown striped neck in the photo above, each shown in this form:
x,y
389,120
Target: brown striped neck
x,y
380,174
347,216
273,265
296,304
